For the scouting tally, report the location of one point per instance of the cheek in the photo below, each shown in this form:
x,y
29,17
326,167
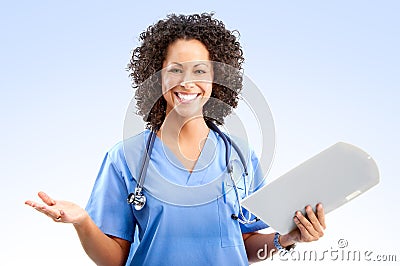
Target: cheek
x,y
208,89
167,96
165,89
168,83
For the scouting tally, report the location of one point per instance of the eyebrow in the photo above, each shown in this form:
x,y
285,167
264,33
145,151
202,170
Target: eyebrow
x,y
201,64
176,63
181,65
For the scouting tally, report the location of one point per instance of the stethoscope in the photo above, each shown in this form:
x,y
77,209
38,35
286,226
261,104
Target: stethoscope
x,y
138,199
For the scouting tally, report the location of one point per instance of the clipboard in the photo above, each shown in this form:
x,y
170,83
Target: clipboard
x,y
333,177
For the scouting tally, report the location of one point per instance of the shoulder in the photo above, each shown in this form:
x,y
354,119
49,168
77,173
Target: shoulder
x,y
132,145
240,145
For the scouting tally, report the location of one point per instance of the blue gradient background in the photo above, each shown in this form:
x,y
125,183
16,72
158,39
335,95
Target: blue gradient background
x,y
329,70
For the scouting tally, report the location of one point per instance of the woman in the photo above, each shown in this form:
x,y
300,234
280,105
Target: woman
x,y
175,71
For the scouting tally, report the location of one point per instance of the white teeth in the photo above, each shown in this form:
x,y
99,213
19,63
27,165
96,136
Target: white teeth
x,y
187,97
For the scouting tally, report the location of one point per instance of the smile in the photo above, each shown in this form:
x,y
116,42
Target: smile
x,y
186,97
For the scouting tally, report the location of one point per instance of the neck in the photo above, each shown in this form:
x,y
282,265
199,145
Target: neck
x,y
185,138
178,128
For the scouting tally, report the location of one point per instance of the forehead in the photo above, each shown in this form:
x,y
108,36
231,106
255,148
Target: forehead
x,y
182,51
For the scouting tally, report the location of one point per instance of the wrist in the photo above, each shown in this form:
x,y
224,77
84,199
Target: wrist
x,y
284,241
82,220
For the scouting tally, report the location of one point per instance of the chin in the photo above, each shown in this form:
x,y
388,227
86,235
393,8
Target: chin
x,y
186,111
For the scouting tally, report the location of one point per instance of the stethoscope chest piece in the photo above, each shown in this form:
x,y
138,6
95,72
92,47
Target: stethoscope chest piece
x,y
137,199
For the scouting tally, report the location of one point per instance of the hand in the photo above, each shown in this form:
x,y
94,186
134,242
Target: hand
x,y
59,210
309,228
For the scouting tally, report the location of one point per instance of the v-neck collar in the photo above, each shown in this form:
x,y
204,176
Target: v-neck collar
x,y
174,169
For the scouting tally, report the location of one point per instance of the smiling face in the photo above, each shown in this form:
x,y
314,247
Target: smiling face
x,y
187,77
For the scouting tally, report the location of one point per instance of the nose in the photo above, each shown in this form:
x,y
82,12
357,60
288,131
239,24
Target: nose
x,y
187,84
188,81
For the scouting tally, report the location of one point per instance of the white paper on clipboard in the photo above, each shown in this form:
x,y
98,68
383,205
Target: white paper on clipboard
x,y
333,177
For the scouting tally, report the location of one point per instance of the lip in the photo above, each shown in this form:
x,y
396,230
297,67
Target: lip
x,y
185,97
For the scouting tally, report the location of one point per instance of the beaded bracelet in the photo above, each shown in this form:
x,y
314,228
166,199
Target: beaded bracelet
x,y
278,245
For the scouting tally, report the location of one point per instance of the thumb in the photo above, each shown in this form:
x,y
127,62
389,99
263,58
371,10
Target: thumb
x,y
46,198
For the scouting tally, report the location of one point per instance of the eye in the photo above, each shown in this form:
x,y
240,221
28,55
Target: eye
x,y
200,71
175,70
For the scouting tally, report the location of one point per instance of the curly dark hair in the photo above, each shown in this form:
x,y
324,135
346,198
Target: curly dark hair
x,y
147,61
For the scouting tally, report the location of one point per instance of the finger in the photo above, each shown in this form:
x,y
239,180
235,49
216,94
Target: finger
x,y
314,221
321,215
58,219
30,203
35,205
46,198
304,235
52,213
61,217
307,224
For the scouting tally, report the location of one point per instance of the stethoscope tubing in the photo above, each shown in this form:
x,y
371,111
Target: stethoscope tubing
x,y
139,199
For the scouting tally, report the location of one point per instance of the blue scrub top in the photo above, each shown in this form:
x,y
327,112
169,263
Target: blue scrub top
x,y
165,231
